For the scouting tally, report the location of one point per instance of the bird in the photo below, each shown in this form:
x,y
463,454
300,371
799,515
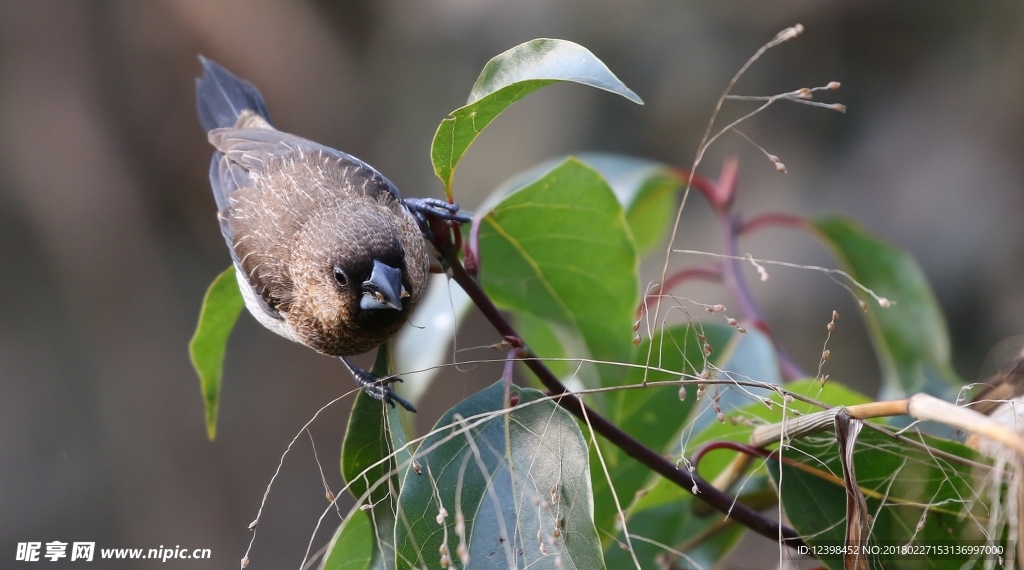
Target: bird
x,y
326,251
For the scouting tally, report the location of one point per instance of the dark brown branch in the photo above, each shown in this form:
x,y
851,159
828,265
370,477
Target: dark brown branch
x,y
638,451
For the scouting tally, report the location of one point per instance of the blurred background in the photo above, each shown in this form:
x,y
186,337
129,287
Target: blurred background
x,y
108,234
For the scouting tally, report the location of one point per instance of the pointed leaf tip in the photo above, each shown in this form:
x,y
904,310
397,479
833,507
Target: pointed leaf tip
x,y
551,60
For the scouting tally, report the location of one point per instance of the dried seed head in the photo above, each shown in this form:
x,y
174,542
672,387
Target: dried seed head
x,y
330,496
804,93
732,420
245,562
700,390
460,525
835,315
832,85
831,327
721,417
701,337
788,398
884,303
779,165
705,374
718,308
445,561
863,305
636,326
556,533
636,340
695,490
441,515
365,507
731,321
707,349
554,494
839,107
543,549
558,562
741,330
416,467
252,525
767,402
443,550
463,554
827,353
540,537
682,393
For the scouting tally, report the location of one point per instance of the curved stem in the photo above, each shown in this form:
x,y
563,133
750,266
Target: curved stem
x,y
677,278
769,220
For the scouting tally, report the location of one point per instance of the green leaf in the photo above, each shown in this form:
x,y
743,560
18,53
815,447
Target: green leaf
x,y
221,307
508,78
919,487
560,249
352,546
500,473
374,430
646,189
910,337
666,512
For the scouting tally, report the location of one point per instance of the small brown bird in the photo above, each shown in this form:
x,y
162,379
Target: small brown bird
x,y
326,251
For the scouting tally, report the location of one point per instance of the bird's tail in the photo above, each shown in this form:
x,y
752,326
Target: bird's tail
x,y
221,97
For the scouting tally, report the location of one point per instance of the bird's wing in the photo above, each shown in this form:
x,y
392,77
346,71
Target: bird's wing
x,y
259,149
270,183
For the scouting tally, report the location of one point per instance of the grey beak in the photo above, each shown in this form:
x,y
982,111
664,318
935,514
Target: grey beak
x,y
383,290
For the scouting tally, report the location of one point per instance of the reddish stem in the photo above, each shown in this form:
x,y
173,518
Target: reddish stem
x,y
768,220
678,278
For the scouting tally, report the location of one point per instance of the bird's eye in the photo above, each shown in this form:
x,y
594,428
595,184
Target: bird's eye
x,y
340,277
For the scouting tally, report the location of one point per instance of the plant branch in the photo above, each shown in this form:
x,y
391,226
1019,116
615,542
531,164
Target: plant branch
x,y
706,273
730,227
769,220
638,451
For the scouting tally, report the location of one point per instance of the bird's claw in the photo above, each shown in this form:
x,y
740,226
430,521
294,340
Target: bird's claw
x,y
424,208
379,388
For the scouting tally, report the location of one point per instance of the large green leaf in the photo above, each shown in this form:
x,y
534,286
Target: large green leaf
x,y
221,307
646,189
915,496
508,78
374,432
666,513
511,477
560,249
910,336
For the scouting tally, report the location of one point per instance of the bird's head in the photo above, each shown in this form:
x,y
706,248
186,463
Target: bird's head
x,y
354,281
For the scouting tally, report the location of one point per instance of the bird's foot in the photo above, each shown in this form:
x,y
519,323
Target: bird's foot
x,y
424,208
377,387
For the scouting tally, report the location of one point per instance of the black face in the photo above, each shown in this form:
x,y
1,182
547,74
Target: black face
x,y
350,279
